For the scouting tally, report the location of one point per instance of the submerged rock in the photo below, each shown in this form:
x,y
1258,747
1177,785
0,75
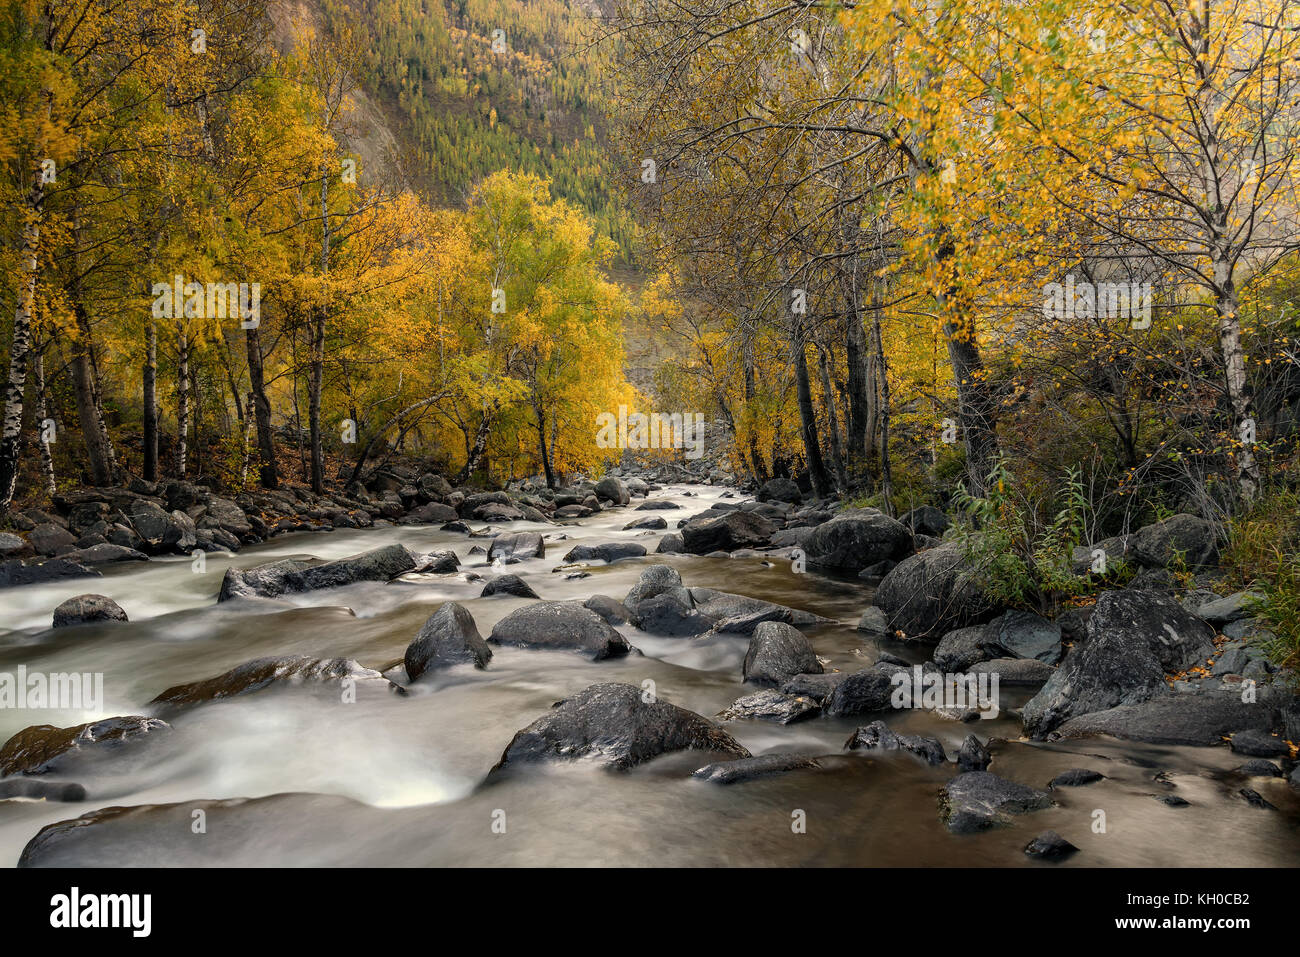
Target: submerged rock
x,y
615,726
976,800
760,766
878,736
508,585
260,673
1194,719
1050,846
288,576
45,749
517,547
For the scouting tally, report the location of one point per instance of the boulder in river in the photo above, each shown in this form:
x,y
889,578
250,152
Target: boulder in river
x,y
606,552
449,637
862,692
44,749
778,652
611,609
976,800
926,520
87,608
856,539
1199,718
780,490
878,736
759,766
15,572
1050,846
560,625
260,673
288,576
770,705
517,547
726,533
1134,638
618,726
613,490
934,592
508,585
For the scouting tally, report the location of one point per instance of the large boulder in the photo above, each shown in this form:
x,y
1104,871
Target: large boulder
x,y
862,692
780,490
926,520
617,726
560,625
777,652
288,576
159,530
260,673
671,614
508,585
1202,718
771,705
517,547
87,608
449,637
1022,634
50,539
934,592
727,533
654,580
1134,639
104,553
975,800
613,490
1187,537
878,736
856,539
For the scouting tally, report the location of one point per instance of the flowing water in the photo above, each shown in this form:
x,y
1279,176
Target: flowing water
x,y
296,776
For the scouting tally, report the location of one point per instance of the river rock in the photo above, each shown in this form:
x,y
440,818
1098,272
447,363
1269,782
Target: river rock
x,y
671,614
780,490
651,523
615,726
818,687
855,540
654,580
87,608
288,576
972,755
517,547
770,705
1258,743
260,673
760,766
778,652
613,490
878,736
103,554
449,637
975,800
611,609
671,544
607,552
560,625
508,585
44,749
1134,637
933,592
1014,671
1050,846
727,533
1202,718
50,539
13,546
862,692
15,572
1074,778
1022,634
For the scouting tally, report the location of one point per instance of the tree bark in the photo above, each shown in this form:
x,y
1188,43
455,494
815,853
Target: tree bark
x,y
268,477
90,414
43,416
150,381
821,482
21,343
182,399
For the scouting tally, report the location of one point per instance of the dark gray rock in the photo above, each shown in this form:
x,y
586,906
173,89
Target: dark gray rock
x,y
1022,634
670,614
1256,800
50,539
1259,768
449,637
561,625
103,554
1133,639
959,650
618,726
747,769
649,523
976,800
972,755
862,692
1192,719
87,608
517,547
288,576
1188,536
780,490
508,585
778,652
926,520
856,539
1074,778
608,552
878,736
728,533
933,592
671,544
611,609
261,673
654,580
15,572
46,750
818,687
1050,846
770,705
1014,671
1258,743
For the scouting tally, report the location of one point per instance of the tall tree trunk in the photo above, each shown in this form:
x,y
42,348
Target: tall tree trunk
x,y
21,342
267,474
881,388
833,423
182,399
541,442
150,380
478,448
317,378
90,414
43,416
821,482
1234,373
